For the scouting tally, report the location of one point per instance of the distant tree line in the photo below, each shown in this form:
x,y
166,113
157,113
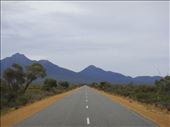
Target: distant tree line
x,y
50,84
157,94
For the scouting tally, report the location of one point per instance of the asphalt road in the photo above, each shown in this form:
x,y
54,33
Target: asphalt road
x,y
86,107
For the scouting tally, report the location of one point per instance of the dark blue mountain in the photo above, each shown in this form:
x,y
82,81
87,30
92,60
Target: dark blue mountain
x,y
88,75
145,79
60,73
16,58
99,75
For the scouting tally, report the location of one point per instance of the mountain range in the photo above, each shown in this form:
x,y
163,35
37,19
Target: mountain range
x,y
88,75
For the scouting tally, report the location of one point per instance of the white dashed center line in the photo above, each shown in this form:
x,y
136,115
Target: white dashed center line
x,y
88,121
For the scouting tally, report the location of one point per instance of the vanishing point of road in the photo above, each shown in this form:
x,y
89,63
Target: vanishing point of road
x,y
86,107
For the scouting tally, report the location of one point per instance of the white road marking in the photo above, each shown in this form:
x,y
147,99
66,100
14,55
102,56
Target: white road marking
x,y
87,106
88,121
86,100
86,92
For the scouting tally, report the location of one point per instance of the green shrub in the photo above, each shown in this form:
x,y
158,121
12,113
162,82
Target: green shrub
x,y
158,94
3,102
22,100
49,84
64,84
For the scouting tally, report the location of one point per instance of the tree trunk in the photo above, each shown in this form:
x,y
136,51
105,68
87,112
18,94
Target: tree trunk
x,y
26,86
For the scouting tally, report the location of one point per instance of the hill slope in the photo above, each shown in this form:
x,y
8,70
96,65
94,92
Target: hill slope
x,y
87,75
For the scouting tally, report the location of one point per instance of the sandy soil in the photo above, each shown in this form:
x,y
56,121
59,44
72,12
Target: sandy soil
x,y
18,115
152,113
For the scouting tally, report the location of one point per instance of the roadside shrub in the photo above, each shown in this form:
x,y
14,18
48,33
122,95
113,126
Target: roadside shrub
x,y
143,97
158,94
4,102
49,84
64,84
22,100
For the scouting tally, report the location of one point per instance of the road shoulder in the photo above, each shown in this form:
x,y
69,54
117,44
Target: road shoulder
x,y
160,118
20,114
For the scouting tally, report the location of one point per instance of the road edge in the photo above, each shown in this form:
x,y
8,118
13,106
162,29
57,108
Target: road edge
x,y
22,113
120,100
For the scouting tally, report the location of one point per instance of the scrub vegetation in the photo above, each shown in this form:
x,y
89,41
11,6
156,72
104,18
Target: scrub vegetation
x,y
157,94
17,88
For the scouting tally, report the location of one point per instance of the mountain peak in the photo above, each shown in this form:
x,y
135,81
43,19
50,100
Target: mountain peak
x,y
90,74
17,55
91,67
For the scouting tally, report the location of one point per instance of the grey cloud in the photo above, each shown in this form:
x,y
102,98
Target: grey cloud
x,y
126,37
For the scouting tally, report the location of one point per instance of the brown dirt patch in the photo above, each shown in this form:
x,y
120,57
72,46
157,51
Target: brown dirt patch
x,y
18,115
150,112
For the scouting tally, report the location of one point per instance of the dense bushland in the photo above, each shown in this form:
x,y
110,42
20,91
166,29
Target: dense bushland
x,y
158,94
17,89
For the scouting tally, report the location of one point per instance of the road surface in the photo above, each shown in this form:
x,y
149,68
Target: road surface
x,y
86,107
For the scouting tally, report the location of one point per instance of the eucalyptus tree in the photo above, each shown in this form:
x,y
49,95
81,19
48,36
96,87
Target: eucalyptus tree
x,y
19,79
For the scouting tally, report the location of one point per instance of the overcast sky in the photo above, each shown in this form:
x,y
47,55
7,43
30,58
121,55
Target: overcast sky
x,y
131,38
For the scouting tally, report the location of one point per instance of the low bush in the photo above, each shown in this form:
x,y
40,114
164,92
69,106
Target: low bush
x,y
158,94
22,100
34,92
49,84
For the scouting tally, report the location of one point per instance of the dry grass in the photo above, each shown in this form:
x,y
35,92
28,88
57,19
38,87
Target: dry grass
x,y
18,115
150,112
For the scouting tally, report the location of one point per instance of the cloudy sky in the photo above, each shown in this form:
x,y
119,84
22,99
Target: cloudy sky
x,y
127,37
